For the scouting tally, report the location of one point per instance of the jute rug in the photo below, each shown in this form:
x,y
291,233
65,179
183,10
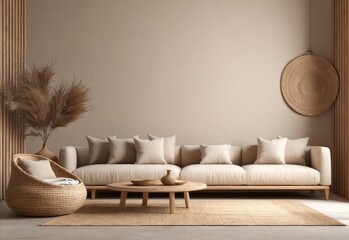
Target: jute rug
x,y
202,212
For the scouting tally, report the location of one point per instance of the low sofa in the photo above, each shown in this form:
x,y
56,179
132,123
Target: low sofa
x,y
243,174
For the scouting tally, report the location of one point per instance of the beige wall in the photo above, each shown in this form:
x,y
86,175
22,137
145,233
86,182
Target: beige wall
x,y
206,70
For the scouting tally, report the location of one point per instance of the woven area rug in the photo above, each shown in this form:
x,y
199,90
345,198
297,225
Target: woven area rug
x,y
202,212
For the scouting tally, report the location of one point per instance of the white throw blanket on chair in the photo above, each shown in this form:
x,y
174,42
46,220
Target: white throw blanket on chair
x,y
62,181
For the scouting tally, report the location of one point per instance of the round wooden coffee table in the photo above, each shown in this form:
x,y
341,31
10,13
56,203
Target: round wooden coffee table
x,y
126,187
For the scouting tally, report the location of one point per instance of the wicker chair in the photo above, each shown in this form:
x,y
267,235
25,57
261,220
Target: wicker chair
x,y
29,196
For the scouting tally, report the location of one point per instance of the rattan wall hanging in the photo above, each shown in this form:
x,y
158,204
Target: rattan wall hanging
x,y
309,84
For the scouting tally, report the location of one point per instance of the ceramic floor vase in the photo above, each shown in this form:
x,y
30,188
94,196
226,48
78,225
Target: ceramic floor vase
x,y
47,153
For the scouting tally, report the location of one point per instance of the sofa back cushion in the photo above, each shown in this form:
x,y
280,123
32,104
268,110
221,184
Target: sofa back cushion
x,y
177,159
249,155
191,154
82,155
215,154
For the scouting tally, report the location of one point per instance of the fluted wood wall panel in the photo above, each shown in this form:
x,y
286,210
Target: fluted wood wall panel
x,y
340,153
13,25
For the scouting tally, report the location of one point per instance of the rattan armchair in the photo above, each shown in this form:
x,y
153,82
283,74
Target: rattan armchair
x,y
29,196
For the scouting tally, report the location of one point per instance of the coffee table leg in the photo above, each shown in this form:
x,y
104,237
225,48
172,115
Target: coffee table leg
x,y
145,199
172,202
122,200
187,199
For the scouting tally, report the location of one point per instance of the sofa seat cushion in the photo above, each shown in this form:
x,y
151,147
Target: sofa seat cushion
x,y
289,174
102,174
214,174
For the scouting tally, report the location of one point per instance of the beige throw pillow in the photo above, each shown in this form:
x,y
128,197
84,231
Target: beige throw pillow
x,y
122,150
98,150
215,154
295,150
169,147
39,169
271,152
150,152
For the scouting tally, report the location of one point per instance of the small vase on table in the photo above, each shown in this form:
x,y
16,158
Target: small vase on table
x,y
168,179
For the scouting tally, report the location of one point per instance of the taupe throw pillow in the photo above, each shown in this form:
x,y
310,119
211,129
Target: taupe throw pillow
x,y
169,147
271,152
122,150
40,169
215,154
150,151
98,150
295,150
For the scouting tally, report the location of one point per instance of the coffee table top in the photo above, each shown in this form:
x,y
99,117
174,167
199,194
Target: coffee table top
x,y
130,187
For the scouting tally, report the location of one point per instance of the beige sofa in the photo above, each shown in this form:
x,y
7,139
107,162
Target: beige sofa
x,y
241,175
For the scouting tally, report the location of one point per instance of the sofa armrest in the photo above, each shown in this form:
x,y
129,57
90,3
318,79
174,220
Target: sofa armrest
x,y
320,159
68,158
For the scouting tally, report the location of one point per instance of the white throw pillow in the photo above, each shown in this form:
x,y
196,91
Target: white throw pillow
x,y
150,151
169,147
271,152
215,154
295,150
40,169
122,151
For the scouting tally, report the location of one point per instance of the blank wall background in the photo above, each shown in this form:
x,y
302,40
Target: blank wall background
x,y
206,70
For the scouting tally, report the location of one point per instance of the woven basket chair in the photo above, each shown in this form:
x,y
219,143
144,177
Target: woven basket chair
x,y
29,196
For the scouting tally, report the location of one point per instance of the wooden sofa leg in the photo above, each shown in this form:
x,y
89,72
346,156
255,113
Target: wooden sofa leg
x,y
327,193
93,194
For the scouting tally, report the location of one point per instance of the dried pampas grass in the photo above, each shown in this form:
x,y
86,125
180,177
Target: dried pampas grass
x,y
44,108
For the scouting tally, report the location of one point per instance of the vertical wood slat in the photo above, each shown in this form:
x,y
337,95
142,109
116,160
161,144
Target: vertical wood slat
x,y
346,167
1,107
340,115
12,34
345,111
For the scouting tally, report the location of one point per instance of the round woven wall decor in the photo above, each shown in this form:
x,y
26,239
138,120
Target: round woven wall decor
x,y
309,85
